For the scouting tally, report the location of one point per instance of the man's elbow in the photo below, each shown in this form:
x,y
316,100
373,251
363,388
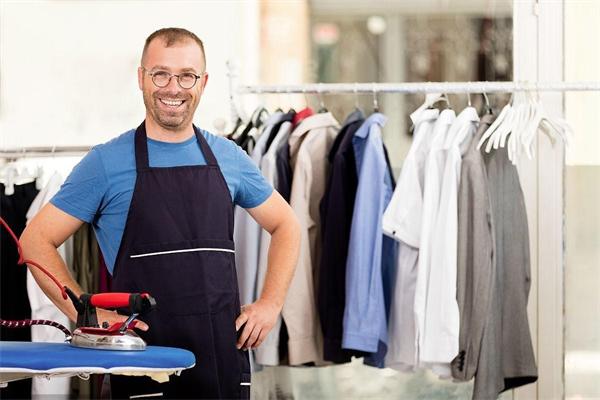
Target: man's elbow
x,y
288,227
28,240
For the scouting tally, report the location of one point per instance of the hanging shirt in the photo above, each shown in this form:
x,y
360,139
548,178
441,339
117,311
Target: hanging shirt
x,y
476,268
282,162
100,187
309,145
14,304
434,170
369,253
43,308
402,221
515,351
268,352
336,209
246,232
442,321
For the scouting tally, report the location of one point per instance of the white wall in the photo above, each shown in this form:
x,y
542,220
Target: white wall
x,y
68,68
582,63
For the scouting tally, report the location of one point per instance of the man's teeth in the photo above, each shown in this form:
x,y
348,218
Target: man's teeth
x,y
172,102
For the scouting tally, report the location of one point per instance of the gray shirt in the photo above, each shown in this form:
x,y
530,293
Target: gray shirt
x,y
493,274
513,269
475,264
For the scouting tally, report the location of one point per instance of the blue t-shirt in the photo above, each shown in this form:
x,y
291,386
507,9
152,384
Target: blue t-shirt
x,y
100,187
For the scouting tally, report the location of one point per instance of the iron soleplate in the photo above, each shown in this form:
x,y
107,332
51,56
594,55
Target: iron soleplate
x,y
129,341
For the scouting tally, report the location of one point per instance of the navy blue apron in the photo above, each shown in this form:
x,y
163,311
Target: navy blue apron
x,y
178,246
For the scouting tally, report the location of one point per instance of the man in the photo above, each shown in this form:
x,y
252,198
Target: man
x,y
161,201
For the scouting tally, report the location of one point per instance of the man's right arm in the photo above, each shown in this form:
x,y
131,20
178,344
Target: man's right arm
x,y
43,235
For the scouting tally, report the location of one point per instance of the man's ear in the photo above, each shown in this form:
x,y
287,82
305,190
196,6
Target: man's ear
x,y
204,81
140,74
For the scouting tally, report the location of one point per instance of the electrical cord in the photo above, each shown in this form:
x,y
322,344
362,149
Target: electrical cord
x,y
29,322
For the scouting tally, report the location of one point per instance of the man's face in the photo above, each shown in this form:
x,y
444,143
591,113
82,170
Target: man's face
x,y
172,107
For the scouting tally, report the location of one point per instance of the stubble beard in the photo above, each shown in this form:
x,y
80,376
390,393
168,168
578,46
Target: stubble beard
x,y
169,121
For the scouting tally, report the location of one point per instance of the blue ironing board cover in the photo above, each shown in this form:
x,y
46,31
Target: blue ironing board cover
x,y
52,358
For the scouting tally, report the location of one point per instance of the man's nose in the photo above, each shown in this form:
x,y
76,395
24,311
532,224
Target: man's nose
x,y
173,85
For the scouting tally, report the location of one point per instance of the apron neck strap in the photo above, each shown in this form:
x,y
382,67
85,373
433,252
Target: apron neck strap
x,y
141,148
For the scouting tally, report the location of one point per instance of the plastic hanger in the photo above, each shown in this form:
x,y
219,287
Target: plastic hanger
x,y
512,125
8,176
504,114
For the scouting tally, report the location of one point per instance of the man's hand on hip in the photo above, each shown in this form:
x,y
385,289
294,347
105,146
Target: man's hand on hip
x,y
255,321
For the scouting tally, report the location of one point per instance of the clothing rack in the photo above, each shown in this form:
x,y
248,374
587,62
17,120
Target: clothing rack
x,y
421,87
44,151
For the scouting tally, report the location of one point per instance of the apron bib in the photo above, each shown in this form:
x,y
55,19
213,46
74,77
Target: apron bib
x,y
178,246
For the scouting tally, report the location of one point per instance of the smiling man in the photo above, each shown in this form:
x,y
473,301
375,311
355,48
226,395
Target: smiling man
x,y
161,199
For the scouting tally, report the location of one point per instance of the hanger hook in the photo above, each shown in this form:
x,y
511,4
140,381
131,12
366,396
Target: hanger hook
x,y
305,97
447,100
469,99
375,103
278,93
356,95
319,91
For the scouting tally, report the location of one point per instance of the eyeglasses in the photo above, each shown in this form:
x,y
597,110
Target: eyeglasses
x,y
186,80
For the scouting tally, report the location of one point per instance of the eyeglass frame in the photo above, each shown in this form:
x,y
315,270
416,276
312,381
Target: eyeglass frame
x,y
151,74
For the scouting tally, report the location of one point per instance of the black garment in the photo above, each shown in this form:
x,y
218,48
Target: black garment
x,y
284,169
336,209
14,303
275,129
185,208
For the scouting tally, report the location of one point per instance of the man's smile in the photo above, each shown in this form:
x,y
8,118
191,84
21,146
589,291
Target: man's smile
x,y
171,103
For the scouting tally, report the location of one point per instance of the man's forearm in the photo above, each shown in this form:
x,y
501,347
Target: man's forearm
x,y
45,254
283,256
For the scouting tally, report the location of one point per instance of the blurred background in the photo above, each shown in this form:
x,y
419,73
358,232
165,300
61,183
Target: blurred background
x,y
68,77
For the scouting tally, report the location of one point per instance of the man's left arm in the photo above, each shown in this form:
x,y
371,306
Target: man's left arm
x,y
276,217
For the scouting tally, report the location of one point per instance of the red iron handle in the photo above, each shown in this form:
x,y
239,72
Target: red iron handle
x,y
118,300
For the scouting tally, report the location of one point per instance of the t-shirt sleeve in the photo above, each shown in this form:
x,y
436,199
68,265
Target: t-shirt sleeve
x,y
253,188
84,189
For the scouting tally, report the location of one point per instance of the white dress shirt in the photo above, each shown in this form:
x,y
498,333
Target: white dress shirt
x,y
246,232
402,221
442,320
268,352
434,170
43,308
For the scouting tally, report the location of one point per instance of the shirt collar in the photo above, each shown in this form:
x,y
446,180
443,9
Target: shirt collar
x,y
375,118
315,121
424,115
354,116
274,118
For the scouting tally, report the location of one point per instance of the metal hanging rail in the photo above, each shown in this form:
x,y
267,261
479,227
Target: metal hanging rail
x,y
421,87
44,151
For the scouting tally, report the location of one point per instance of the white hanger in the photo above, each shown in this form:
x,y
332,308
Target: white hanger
x,y
502,128
529,117
506,111
8,176
554,128
430,100
523,111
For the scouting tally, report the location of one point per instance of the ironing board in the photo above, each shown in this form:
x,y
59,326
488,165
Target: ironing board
x,y
20,360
